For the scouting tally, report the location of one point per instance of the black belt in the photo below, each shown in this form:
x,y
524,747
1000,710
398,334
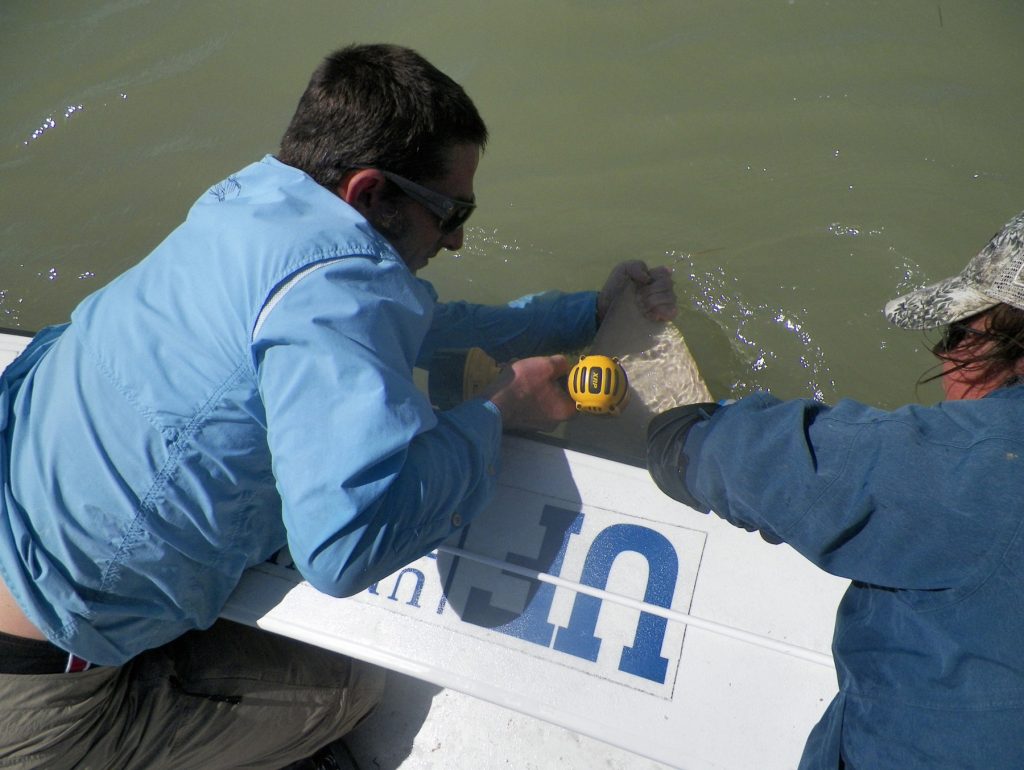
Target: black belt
x,y
36,656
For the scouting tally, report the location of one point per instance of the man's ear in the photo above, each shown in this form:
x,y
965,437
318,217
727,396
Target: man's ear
x,y
363,190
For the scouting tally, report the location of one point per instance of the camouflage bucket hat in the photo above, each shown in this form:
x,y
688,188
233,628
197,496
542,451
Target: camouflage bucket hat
x,y
995,275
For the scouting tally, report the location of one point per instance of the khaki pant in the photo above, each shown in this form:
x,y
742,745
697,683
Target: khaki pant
x,y
229,697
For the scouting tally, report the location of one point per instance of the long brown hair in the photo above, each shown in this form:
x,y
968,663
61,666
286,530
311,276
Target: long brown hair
x,y
995,349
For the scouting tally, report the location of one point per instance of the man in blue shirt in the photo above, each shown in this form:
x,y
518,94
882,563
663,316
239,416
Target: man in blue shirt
x,y
920,507
248,386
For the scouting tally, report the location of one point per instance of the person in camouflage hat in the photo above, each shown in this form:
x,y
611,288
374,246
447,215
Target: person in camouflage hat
x,y
920,507
982,310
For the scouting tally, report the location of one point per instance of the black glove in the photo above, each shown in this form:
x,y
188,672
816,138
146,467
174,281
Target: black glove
x,y
666,462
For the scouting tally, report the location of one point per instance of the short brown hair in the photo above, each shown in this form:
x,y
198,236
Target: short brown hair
x,y
383,106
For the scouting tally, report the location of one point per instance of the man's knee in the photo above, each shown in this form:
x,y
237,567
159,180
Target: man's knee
x,y
366,690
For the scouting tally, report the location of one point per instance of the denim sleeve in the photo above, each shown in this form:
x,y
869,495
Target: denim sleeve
x,y
370,477
538,324
910,499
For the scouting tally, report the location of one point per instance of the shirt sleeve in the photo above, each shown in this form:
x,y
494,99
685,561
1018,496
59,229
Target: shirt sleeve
x,y
370,477
910,499
538,324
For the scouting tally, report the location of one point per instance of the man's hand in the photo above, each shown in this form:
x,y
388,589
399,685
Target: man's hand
x,y
654,290
529,393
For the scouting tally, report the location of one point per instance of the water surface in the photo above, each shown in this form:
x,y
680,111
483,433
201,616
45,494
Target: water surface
x,y
798,163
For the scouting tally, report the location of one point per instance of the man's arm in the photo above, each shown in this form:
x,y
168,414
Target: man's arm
x,y
369,475
538,324
545,323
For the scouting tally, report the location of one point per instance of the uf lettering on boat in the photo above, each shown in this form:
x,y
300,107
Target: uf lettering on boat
x,y
578,638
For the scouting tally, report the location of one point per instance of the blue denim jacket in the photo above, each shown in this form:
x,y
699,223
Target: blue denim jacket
x,y
246,386
922,509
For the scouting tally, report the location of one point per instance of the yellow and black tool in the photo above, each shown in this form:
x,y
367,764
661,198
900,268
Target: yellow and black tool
x,y
598,384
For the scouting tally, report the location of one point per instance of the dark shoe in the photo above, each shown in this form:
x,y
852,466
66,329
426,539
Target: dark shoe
x,y
333,756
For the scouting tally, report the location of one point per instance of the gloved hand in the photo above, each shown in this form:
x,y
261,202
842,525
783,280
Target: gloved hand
x,y
666,461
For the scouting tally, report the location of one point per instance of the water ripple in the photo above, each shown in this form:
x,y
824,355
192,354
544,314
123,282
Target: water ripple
x,y
750,327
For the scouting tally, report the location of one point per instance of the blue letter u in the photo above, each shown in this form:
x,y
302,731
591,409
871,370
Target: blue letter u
x,y
643,659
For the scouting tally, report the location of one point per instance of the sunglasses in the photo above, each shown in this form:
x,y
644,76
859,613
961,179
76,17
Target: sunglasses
x,y
451,213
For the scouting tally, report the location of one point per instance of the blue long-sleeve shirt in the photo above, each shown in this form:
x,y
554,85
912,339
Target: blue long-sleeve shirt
x,y
246,386
922,508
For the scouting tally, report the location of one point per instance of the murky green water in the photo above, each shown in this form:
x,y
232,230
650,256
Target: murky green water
x,y
798,162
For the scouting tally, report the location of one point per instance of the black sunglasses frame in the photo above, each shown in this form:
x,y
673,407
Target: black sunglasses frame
x,y
451,213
